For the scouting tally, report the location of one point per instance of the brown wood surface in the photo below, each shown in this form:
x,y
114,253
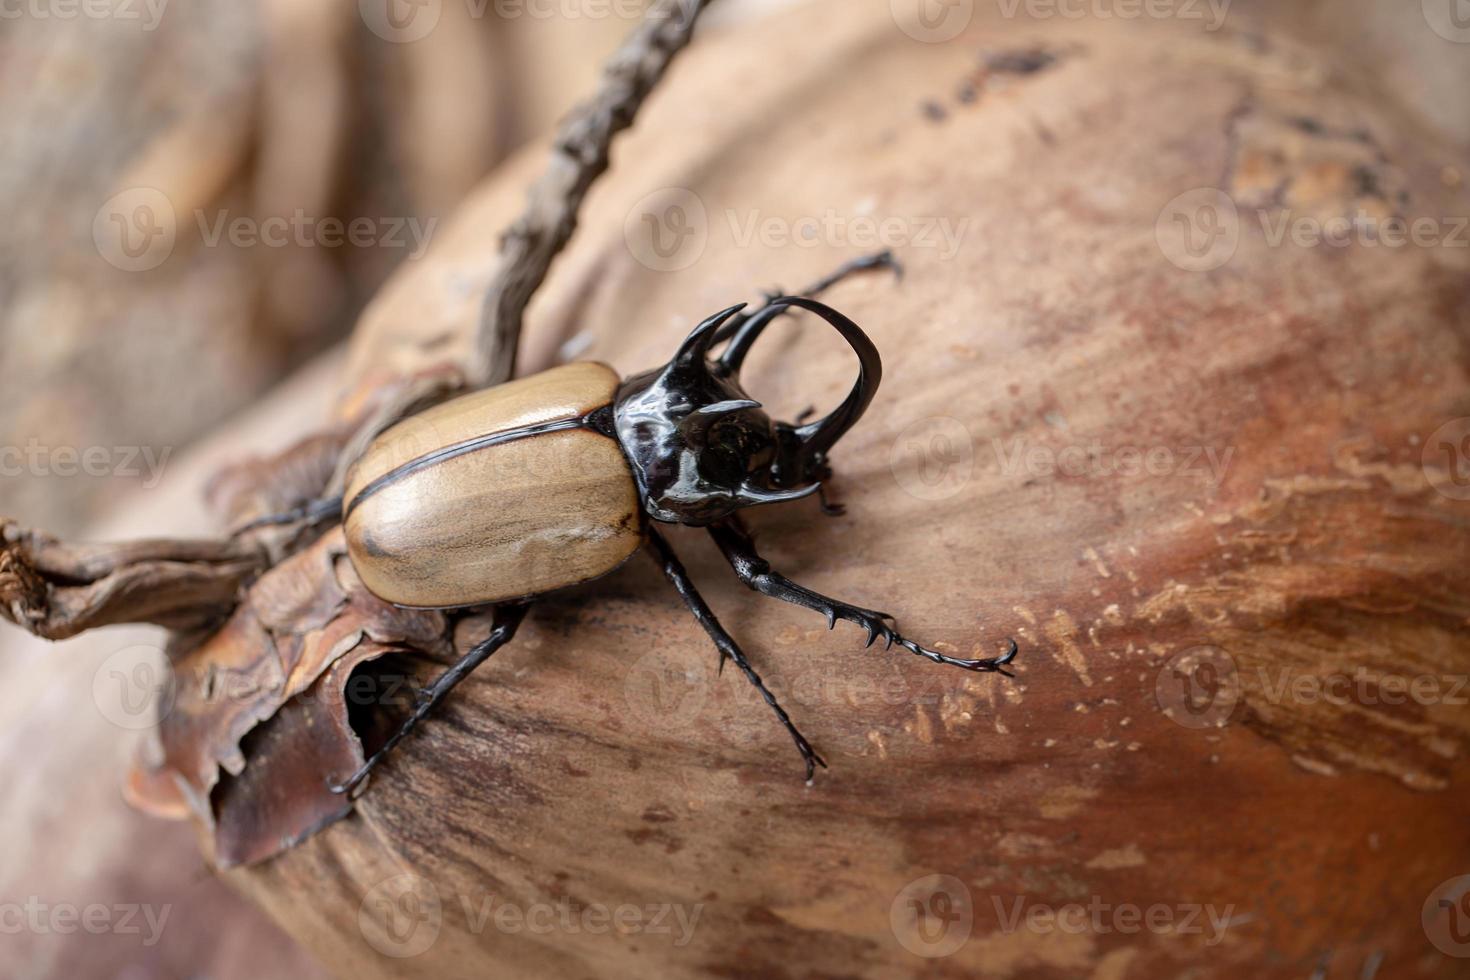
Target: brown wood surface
x,y
1299,534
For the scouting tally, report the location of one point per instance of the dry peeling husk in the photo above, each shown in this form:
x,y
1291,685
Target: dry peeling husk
x,y
1317,546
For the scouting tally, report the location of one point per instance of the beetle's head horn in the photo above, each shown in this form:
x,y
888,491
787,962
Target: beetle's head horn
x,y
701,448
805,447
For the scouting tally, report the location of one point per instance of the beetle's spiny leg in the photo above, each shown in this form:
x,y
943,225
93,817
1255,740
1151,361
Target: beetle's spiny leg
x,y
729,649
507,619
753,570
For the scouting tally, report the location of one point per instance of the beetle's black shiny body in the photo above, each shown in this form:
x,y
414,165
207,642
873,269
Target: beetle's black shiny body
x,y
699,450
702,449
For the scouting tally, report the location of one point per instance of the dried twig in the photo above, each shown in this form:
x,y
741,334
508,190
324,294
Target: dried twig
x,y
579,157
56,590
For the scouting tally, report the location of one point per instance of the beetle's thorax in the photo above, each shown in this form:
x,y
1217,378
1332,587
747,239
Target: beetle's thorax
x,y
701,448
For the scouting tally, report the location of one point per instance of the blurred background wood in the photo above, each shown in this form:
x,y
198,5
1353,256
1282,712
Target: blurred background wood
x,y
230,111
563,772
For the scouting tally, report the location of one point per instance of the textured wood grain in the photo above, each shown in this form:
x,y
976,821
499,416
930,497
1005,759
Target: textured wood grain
x,y
504,520
600,761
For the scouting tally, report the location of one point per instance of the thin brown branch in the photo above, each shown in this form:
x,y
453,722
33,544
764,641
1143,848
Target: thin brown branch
x,y
56,590
578,158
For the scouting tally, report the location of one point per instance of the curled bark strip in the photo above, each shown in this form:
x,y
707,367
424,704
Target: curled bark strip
x,y
579,156
56,590
256,721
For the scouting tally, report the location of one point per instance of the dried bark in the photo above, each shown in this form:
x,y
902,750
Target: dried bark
x,y
559,773
57,590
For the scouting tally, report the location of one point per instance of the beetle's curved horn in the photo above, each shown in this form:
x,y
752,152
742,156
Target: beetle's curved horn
x,y
691,353
819,436
698,421
750,496
733,356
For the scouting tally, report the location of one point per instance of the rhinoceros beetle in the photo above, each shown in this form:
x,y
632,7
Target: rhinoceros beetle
x,y
505,494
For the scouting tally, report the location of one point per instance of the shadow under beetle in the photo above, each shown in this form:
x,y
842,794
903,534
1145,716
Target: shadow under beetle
x,y
505,494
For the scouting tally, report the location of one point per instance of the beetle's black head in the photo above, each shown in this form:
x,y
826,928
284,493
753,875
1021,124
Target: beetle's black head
x,y
702,449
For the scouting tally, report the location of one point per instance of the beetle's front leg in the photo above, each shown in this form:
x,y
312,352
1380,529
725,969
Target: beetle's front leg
x,y
766,313
729,649
739,550
507,619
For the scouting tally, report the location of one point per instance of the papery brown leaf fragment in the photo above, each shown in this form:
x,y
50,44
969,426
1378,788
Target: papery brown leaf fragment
x,y
282,796
294,625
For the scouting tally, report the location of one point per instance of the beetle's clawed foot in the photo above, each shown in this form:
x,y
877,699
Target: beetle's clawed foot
x,y
808,755
881,260
344,788
828,507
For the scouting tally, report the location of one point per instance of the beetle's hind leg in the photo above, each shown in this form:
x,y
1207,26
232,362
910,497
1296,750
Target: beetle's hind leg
x,y
729,649
739,550
502,630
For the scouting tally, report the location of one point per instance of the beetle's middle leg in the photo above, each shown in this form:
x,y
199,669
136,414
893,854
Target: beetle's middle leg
x,y
507,618
729,649
753,570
